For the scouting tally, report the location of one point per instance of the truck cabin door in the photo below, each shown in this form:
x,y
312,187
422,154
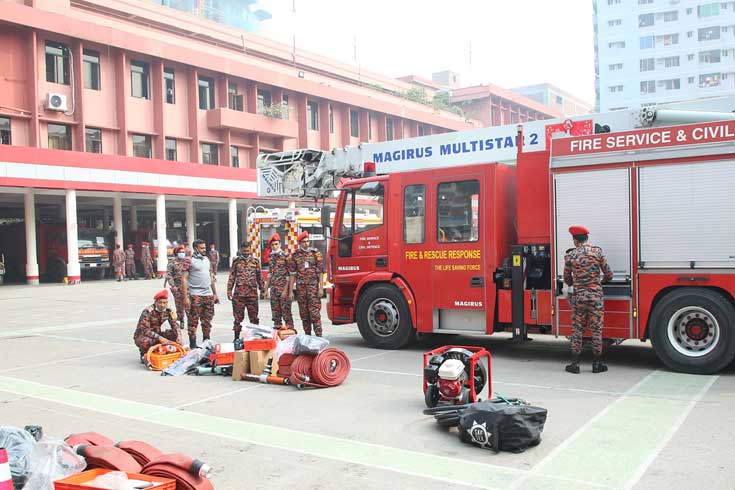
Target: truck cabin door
x,y
457,271
361,234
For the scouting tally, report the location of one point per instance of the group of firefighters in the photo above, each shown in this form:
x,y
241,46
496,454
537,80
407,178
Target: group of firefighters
x,y
190,276
192,283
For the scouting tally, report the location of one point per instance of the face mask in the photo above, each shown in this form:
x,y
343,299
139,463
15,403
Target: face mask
x,y
181,255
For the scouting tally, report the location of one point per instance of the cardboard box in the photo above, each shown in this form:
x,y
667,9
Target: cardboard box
x,y
259,359
240,365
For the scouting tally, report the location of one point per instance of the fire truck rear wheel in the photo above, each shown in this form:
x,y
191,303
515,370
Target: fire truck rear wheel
x,y
693,331
383,317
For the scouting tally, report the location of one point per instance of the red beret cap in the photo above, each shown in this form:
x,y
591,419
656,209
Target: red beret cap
x,y
578,230
302,235
162,294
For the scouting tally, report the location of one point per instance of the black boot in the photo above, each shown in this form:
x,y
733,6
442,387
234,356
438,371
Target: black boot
x,y
598,366
574,366
193,341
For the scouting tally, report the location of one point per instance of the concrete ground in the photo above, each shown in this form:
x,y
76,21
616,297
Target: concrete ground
x,y
70,366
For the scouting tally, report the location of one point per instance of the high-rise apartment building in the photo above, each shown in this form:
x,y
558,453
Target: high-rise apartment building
x,y
655,51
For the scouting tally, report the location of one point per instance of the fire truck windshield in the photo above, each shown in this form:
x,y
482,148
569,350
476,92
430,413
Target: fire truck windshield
x,y
91,239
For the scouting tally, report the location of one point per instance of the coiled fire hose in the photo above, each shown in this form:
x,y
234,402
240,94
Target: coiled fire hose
x,y
190,474
141,451
108,458
328,368
89,438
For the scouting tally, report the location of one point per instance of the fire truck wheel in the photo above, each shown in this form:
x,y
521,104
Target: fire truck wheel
x,y
692,331
55,270
383,317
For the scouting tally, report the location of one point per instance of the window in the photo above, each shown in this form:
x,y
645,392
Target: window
x,y
671,16
331,120
690,80
690,34
5,131
422,131
169,82
673,84
613,2
560,100
708,10
645,2
645,20
264,100
613,67
389,129
57,63
709,33
667,39
689,11
284,104
669,61
616,45
646,42
234,157
414,212
458,211
615,88
367,201
312,115
210,154
690,57
712,56
709,80
91,69
234,100
140,79
142,146
354,124
93,140
171,153
648,64
206,93
59,137
614,22
648,87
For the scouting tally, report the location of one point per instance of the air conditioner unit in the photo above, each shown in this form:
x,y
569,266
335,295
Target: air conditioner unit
x,y
56,102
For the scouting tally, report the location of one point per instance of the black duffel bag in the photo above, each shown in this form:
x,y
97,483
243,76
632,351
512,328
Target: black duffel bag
x,y
501,426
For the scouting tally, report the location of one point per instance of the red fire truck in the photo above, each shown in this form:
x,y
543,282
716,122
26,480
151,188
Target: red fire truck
x,y
478,248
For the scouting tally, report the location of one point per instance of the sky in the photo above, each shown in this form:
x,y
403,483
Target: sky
x,y
508,43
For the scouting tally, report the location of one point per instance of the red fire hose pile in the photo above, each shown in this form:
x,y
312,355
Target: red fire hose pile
x,y
141,457
328,368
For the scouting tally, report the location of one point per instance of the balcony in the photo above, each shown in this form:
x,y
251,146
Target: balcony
x,y
223,118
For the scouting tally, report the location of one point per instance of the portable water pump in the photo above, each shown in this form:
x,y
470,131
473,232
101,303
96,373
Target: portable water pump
x,y
455,375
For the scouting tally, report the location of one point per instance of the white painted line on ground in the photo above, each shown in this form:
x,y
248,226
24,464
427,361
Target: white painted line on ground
x,y
60,361
373,356
217,397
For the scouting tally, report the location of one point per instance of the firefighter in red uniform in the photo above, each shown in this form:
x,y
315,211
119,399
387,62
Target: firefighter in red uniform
x,y
277,282
149,330
245,278
306,268
146,261
118,262
130,262
586,268
174,273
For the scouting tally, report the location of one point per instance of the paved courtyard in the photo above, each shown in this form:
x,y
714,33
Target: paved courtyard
x,y
69,365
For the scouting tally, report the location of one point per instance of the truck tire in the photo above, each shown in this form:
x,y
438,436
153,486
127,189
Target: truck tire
x,y
693,331
55,270
383,317
99,273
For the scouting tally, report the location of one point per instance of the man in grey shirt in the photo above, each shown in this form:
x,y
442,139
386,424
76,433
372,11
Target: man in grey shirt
x,y
200,294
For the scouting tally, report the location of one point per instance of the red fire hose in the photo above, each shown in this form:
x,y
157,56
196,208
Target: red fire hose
x,y
89,438
190,474
109,458
141,451
329,368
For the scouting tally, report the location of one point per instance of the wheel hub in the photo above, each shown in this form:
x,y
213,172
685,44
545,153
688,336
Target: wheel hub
x,y
383,317
693,331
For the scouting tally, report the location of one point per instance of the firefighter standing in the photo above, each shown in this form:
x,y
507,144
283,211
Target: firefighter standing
x,y
245,278
213,258
585,268
174,273
277,282
200,294
149,331
118,262
305,270
130,262
146,260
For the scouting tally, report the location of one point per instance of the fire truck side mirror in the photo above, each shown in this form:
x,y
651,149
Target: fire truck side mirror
x,y
325,218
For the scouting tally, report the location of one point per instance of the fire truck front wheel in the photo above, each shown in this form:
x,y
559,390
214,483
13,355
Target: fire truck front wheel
x,y
383,317
693,331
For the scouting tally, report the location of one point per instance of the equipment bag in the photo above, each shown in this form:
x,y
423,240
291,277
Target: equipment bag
x,y
500,426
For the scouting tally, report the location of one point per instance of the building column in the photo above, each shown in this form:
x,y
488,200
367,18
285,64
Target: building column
x,y
73,272
193,114
233,229
133,218
216,234
31,253
78,141
159,141
117,221
161,234
244,222
191,223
